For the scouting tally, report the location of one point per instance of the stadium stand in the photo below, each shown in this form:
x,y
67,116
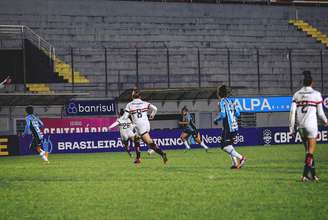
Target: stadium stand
x,y
118,44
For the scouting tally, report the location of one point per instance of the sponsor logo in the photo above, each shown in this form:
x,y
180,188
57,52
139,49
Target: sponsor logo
x,y
47,144
325,102
267,137
263,104
288,137
101,107
4,146
71,108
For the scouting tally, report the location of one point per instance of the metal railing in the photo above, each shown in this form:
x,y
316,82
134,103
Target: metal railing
x,y
24,32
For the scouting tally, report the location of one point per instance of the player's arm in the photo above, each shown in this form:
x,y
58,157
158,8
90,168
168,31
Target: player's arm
x,y
321,113
126,114
40,122
27,127
116,123
153,111
222,113
292,116
237,111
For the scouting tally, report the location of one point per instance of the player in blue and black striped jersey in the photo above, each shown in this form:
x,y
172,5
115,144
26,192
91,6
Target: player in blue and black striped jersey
x,y
228,114
33,126
189,129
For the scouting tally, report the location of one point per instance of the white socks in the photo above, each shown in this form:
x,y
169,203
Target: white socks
x,y
203,145
234,161
187,145
232,152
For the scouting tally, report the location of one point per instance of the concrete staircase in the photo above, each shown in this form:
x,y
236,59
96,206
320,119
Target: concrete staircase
x,y
310,30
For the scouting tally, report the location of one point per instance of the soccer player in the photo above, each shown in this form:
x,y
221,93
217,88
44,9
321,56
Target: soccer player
x,y
307,103
127,132
228,113
138,109
33,125
189,129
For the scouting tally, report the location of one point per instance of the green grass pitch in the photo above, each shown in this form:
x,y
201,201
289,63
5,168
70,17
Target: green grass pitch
x,y
193,185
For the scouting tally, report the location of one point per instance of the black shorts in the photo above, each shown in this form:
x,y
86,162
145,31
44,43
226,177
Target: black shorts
x,y
190,131
227,138
35,142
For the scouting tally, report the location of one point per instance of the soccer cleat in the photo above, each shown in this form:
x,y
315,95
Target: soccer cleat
x,y
305,179
233,167
316,179
137,161
44,158
164,158
241,162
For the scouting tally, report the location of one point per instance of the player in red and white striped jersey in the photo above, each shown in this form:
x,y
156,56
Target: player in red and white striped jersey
x,y
139,109
307,104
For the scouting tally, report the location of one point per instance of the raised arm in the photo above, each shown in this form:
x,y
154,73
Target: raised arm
x,y
113,125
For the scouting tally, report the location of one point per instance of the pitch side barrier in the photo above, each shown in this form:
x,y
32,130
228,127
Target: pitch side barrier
x,y
167,139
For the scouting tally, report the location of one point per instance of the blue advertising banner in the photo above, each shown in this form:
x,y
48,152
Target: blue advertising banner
x,y
264,104
90,107
281,135
166,139
111,142
268,104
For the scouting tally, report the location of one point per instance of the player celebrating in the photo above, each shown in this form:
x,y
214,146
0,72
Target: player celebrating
x,y
138,109
189,129
33,125
307,102
228,113
127,133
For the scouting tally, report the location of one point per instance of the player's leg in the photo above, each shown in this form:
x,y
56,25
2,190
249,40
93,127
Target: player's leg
x,y
149,141
312,142
199,140
227,141
137,150
184,137
234,162
309,137
127,147
36,145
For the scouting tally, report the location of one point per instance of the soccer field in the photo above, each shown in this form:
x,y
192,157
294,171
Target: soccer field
x,y
193,185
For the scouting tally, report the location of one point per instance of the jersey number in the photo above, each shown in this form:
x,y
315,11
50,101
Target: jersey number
x,y
139,113
125,125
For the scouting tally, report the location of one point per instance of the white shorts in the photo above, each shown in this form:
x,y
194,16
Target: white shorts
x,y
127,134
309,132
142,128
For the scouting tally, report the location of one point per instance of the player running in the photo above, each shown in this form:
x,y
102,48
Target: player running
x,y
127,132
138,109
33,125
189,129
307,103
228,113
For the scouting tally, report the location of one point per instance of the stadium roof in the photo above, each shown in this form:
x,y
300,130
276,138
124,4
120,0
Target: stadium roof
x,y
23,99
177,94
